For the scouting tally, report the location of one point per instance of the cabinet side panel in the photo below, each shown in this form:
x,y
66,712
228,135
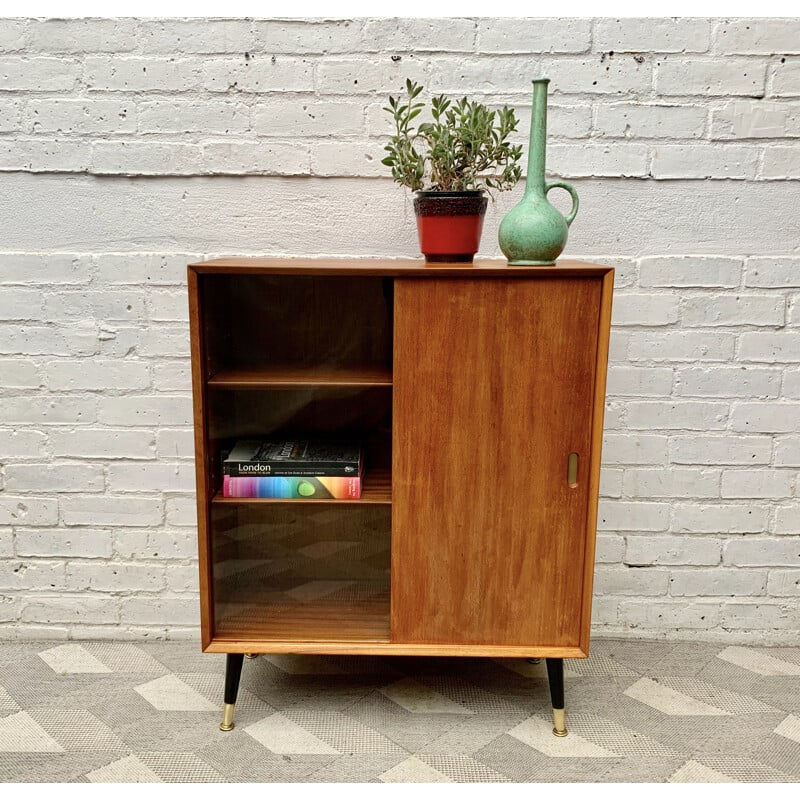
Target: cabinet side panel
x,y
197,324
601,373
493,389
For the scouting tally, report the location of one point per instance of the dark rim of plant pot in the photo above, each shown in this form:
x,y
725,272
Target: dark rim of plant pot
x,y
449,258
450,204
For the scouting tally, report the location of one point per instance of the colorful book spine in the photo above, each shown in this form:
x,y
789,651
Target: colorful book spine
x,y
283,471
293,488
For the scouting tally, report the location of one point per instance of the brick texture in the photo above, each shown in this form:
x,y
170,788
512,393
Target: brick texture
x,y
130,147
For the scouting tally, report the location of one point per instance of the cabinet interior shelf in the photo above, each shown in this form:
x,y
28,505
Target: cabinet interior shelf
x,y
376,489
354,619
289,376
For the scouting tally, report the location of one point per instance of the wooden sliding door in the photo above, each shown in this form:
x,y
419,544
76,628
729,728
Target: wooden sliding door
x,y
494,389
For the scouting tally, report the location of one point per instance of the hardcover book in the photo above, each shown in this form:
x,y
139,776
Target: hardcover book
x,y
293,458
293,488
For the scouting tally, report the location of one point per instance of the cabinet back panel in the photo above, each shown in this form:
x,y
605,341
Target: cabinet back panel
x,y
302,321
494,387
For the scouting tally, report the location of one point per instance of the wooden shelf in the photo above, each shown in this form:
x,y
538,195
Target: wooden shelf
x,y
291,376
377,489
349,619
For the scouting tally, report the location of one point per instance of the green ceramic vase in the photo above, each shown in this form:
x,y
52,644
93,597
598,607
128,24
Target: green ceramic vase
x,y
534,232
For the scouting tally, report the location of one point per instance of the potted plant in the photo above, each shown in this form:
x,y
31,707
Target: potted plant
x,y
451,162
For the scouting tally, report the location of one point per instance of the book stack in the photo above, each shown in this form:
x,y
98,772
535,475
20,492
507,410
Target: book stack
x,y
293,470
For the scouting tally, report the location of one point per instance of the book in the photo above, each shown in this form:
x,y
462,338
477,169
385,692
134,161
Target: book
x,y
293,488
293,458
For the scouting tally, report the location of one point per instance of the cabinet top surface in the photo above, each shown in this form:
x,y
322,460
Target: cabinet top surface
x,y
394,267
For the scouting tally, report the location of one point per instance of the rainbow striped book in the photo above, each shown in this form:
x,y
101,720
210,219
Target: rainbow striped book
x,y
293,488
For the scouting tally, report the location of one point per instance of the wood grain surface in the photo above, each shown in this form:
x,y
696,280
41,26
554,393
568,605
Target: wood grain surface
x,y
381,647
399,267
289,376
203,475
494,387
597,411
364,619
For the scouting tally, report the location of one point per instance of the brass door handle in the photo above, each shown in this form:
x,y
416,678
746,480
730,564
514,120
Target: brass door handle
x,y
572,470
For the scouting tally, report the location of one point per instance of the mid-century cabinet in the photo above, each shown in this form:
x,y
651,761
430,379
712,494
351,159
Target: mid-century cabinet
x,y
478,393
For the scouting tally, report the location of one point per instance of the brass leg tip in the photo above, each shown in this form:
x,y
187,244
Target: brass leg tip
x,y
227,718
559,725
251,655
534,660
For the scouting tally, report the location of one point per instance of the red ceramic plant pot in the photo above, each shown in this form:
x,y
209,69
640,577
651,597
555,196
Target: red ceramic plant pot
x,y
450,224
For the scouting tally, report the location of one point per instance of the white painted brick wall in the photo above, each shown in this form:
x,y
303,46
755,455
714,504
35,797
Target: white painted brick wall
x,y
767,36
722,381
132,147
784,582
725,449
719,518
780,163
642,551
635,121
697,161
787,451
786,78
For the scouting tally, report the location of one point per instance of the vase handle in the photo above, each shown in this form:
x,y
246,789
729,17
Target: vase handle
x,y
571,189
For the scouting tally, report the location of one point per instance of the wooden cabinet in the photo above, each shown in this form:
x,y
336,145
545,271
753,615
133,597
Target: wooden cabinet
x,y
478,392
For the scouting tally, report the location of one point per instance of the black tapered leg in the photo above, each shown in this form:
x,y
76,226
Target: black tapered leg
x,y
555,675
233,673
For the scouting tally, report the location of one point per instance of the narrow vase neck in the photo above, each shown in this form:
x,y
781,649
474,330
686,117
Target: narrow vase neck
x,y
536,149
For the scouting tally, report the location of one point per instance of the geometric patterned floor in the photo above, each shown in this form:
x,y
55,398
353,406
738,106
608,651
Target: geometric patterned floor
x,y
637,711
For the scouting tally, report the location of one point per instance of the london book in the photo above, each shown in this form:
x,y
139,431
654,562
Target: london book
x,y
275,487
293,458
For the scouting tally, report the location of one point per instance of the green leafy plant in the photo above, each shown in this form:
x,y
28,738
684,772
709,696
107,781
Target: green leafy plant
x,y
464,148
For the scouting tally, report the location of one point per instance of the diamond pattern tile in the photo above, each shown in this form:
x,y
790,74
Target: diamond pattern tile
x,y
170,693
280,735
745,770
420,699
599,666
413,770
715,696
180,768
7,703
20,733
637,711
473,698
617,738
759,661
343,733
537,732
72,658
125,658
463,768
126,770
77,730
790,728
670,701
693,772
